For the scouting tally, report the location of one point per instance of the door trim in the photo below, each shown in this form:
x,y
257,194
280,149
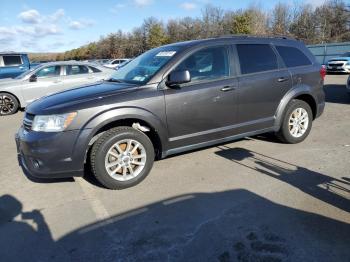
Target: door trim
x,y
220,129
214,142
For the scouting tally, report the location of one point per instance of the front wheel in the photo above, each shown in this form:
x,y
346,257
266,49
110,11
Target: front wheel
x,y
8,104
122,157
297,122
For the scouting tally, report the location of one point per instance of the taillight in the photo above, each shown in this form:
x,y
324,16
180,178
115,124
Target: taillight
x,y
323,72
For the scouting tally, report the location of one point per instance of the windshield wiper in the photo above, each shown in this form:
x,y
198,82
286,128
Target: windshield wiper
x,y
114,80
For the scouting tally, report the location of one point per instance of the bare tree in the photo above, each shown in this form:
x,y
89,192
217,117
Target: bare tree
x,y
326,23
212,18
304,24
281,18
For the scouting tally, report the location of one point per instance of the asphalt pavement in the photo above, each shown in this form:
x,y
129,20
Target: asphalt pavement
x,y
250,200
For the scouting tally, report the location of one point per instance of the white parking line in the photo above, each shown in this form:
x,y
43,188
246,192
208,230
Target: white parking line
x,y
97,206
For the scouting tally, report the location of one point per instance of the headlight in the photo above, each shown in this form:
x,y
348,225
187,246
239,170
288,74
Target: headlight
x,y
52,123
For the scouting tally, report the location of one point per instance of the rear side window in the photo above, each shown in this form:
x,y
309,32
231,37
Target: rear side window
x,y
12,60
76,70
94,69
49,71
255,58
207,64
293,56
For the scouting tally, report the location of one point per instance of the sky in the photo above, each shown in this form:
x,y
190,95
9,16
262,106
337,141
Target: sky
x,y
56,26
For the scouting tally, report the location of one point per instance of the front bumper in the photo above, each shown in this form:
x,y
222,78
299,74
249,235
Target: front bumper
x,y
338,69
48,155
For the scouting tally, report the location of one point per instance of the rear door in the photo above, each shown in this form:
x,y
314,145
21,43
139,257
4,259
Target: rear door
x,y
206,108
77,75
263,82
302,70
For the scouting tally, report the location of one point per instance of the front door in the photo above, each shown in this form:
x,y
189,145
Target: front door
x,y
48,81
206,108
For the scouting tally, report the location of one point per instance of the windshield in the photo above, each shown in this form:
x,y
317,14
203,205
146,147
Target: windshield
x,y
24,74
145,66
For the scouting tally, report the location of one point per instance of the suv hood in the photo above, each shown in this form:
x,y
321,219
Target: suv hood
x,y
79,98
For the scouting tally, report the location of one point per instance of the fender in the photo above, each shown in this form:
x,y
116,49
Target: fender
x,y
17,94
291,94
112,115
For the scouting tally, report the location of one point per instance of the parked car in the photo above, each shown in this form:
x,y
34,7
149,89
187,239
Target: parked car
x,y
13,64
172,99
124,63
339,64
102,61
115,63
46,79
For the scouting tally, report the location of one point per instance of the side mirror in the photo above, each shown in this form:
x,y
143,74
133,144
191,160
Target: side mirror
x,y
176,78
33,78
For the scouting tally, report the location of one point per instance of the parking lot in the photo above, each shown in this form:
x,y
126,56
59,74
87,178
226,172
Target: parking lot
x,y
251,200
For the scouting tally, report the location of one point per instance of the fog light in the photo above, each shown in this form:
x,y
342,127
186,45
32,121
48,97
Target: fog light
x,y
36,164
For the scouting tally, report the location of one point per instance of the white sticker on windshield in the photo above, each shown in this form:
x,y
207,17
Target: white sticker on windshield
x,y
139,78
166,53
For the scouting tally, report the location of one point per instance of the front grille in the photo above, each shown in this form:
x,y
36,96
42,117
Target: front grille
x,y
28,121
336,64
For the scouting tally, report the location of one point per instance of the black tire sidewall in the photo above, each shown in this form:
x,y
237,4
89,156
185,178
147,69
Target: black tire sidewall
x,y
14,100
99,167
294,104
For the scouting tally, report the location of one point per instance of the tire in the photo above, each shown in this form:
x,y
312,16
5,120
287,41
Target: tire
x,y
289,122
8,104
116,167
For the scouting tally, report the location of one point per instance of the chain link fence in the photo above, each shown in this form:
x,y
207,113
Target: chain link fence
x,y
326,51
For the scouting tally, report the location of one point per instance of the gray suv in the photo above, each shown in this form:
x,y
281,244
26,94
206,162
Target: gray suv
x,y
172,99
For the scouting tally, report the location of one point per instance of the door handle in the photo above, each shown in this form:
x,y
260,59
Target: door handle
x,y
282,79
227,88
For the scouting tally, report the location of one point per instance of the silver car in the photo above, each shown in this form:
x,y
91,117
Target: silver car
x,y
116,63
47,79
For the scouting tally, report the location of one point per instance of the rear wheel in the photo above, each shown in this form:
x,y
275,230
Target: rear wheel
x,y
8,104
297,122
122,157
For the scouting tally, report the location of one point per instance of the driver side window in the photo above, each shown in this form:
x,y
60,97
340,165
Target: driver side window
x,y
207,64
49,71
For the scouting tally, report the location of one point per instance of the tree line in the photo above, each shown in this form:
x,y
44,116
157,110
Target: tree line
x,y
329,22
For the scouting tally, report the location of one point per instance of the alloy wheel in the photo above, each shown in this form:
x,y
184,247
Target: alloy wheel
x,y
7,105
125,159
298,122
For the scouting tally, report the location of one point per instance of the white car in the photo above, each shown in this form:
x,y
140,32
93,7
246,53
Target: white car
x,y
115,63
47,79
339,64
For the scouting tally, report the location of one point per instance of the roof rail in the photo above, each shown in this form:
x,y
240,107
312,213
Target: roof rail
x,y
256,36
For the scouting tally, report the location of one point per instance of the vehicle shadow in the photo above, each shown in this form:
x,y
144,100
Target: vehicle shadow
x,y
333,191
336,94
234,225
267,137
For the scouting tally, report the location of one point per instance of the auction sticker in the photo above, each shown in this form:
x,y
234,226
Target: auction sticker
x,y
166,53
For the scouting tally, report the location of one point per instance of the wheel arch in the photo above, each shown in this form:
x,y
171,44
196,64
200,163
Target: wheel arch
x,y
303,93
17,98
128,117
